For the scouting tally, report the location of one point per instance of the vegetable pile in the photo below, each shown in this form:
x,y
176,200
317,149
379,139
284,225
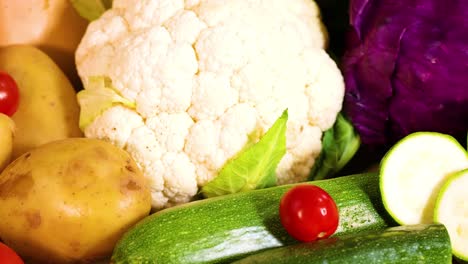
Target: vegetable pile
x,y
222,131
229,227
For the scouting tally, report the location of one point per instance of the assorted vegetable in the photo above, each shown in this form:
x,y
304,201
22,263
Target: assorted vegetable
x,y
403,244
339,144
48,108
70,201
185,100
413,171
91,9
405,68
255,166
103,97
451,209
194,82
7,127
8,256
9,95
225,228
9,100
51,25
308,213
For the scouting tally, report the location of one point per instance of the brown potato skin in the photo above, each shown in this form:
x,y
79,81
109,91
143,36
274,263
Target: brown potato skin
x,y
69,201
6,140
48,109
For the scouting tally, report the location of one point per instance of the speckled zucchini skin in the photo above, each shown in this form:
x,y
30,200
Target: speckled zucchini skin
x,y
403,245
223,229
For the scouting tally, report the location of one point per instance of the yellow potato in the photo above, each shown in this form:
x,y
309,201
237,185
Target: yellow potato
x,y
70,200
48,109
52,25
6,140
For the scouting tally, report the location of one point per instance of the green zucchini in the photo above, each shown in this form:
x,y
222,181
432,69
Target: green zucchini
x,y
412,244
226,228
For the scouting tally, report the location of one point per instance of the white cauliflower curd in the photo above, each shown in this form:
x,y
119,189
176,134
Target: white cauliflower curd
x,y
184,85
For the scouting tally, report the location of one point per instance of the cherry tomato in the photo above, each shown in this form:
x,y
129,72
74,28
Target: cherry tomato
x,y
308,213
8,256
9,94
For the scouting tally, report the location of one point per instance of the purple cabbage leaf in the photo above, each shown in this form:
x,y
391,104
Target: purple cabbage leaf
x,y
406,68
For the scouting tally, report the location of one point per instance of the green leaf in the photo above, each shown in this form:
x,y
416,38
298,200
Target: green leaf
x,y
98,96
255,166
91,9
339,144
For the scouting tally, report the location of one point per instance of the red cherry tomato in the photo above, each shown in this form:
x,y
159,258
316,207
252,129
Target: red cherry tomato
x,y
8,256
9,94
308,213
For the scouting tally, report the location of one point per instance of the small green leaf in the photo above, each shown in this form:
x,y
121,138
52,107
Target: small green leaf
x,y
255,166
339,144
98,96
91,9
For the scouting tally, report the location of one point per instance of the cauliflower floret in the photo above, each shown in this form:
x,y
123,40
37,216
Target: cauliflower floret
x,y
206,77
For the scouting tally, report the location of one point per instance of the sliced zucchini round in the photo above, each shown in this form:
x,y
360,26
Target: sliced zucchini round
x,y
452,210
413,171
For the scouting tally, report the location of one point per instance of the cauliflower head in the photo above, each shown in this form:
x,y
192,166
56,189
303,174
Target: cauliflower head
x,y
183,86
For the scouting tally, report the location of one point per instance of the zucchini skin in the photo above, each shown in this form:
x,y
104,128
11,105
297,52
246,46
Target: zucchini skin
x,y
230,227
423,243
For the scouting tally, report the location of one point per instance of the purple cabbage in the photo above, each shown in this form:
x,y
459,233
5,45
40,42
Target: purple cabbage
x,y
406,68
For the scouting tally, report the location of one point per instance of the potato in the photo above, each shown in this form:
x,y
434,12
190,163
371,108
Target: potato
x,y
48,109
52,25
70,200
6,140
